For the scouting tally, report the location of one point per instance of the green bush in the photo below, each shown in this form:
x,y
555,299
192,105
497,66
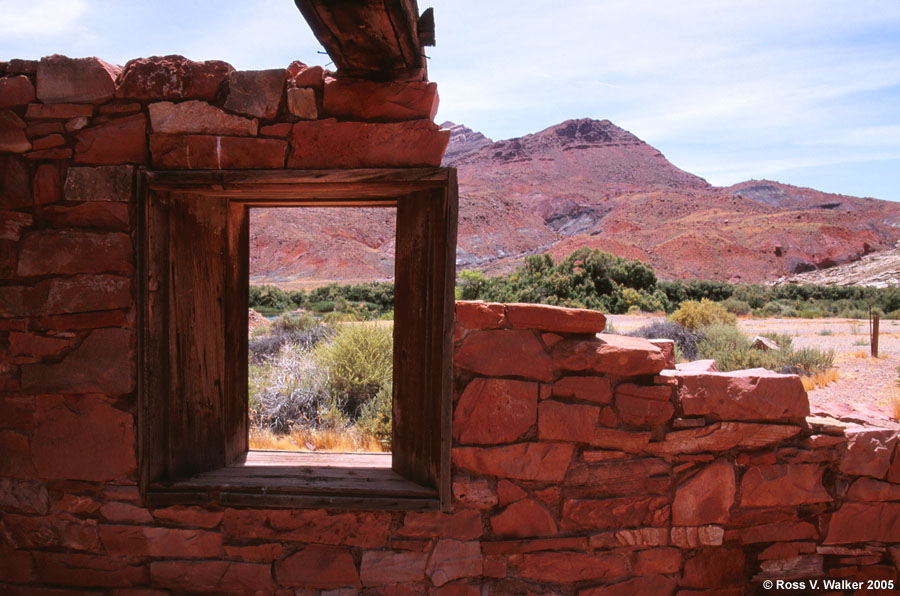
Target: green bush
x,y
294,322
357,362
694,315
375,416
736,307
732,350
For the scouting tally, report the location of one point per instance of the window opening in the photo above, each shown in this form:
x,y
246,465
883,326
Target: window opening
x,y
320,334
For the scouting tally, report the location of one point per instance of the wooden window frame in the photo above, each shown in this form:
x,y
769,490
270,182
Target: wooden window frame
x,y
193,244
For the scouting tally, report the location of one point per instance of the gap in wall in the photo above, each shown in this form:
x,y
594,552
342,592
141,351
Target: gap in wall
x,y
321,367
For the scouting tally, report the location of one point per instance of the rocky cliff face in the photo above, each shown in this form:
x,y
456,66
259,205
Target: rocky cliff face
x,y
590,183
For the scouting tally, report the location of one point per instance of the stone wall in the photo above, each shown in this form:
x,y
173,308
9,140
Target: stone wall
x,y
583,464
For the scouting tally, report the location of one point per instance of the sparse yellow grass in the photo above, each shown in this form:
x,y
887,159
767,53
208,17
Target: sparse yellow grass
x,y
820,380
305,439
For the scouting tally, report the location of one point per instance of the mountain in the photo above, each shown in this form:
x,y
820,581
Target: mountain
x,y
589,183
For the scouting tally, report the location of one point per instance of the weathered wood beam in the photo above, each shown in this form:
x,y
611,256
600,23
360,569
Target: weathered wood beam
x,y
374,39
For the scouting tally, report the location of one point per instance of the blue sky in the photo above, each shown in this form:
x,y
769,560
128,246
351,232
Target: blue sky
x,y
800,91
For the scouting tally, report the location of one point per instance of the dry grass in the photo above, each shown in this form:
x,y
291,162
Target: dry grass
x,y
820,380
305,439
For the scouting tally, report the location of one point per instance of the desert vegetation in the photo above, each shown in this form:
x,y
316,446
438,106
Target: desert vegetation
x,y
602,281
321,385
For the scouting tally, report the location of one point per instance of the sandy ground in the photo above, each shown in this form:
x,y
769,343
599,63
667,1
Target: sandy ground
x,y
863,380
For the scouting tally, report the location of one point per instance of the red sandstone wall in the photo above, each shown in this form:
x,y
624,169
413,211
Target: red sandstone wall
x,y
582,464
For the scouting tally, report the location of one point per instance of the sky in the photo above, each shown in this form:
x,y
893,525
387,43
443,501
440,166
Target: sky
x,y
805,92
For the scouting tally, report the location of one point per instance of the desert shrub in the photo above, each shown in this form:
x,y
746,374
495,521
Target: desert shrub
x,y
357,362
732,350
321,306
737,307
729,347
285,390
694,315
686,341
471,283
289,322
269,299
265,347
375,416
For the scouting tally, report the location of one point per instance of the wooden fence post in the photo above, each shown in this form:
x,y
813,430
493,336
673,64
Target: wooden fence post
x,y
874,342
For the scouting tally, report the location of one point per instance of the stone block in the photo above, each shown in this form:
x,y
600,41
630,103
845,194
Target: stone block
x,y
23,496
362,529
480,315
49,154
608,354
473,492
172,77
17,456
778,532
869,489
568,567
103,363
12,223
256,92
610,438
602,514
492,411
357,99
864,522
714,568
12,133
48,142
707,497
198,117
66,252
331,144
658,585
306,76
56,531
149,541
100,183
667,347
87,570
559,421
118,141
545,462
509,492
40,129
15,182
696,536
208,152
320,567
555,319
47,186
656,560
464,524
868,452
453,559
99,216
38,347
524,519
15,91
125,513
644,406
183,515
84,293
506,353
104,435
783,485
755,394
76,80
58,111
592,389
722,436
212,577
619,477
15,565
257,553
382,567
280,130
301,102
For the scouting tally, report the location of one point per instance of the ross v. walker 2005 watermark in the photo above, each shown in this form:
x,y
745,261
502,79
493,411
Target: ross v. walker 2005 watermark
x,y
828,584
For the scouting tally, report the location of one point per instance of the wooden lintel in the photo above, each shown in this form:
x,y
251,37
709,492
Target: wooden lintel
x,y
375,39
